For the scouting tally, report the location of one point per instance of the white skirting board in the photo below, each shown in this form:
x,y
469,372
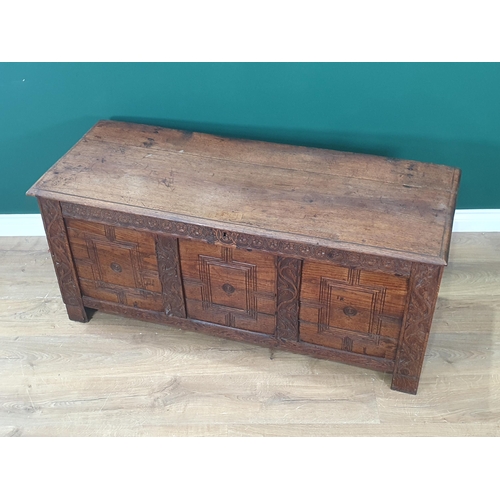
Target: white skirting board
x,y
466,221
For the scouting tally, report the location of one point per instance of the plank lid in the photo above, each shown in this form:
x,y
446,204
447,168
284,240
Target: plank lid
x,y
354,202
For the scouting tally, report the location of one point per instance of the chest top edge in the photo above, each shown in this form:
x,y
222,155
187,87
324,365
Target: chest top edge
x,y
349,201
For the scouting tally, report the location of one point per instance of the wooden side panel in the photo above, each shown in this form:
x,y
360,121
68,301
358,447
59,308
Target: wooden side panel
x,y
351,309
229,286
424,288
61,255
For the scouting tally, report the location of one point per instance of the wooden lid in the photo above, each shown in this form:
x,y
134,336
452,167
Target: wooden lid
x,y
361,203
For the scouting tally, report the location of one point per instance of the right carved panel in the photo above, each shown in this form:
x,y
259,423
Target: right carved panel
x,y
352,309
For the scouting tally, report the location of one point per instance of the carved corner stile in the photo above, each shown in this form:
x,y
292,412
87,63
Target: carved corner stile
x,y
424,286
57,239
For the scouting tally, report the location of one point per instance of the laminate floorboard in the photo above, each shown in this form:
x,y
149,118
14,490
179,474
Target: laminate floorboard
x,y
120,377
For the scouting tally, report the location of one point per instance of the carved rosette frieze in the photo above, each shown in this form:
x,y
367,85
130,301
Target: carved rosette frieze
x,y
167,252
287,321
60,251
424,286
240,240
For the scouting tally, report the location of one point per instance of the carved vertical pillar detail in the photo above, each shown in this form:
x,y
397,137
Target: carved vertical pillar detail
x,y
424,286
287,321
167,251
57,238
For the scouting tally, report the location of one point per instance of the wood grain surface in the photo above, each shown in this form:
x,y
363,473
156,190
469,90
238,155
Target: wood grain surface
x,y
369,204
115,376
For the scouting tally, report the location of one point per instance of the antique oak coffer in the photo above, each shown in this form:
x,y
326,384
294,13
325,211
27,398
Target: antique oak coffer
x,y
331,254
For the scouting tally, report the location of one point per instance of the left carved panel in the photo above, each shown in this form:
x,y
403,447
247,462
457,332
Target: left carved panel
x,y
115,264
61,255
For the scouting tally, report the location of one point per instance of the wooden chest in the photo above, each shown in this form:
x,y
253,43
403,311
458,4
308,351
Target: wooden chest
x,y
330,254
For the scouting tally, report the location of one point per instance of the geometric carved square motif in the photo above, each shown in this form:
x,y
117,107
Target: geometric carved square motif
x,y
229,286
220,279
115,265
350,306
352,309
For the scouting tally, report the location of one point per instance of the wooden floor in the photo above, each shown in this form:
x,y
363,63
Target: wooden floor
x,y
121,377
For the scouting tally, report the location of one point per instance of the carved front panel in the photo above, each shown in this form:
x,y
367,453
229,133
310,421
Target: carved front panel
x,y
116,264
229,286
351,309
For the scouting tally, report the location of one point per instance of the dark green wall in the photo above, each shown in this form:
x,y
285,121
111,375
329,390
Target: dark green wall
x,y
440,113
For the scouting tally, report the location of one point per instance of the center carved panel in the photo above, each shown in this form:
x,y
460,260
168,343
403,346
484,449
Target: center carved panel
x,y
229,286
226,282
